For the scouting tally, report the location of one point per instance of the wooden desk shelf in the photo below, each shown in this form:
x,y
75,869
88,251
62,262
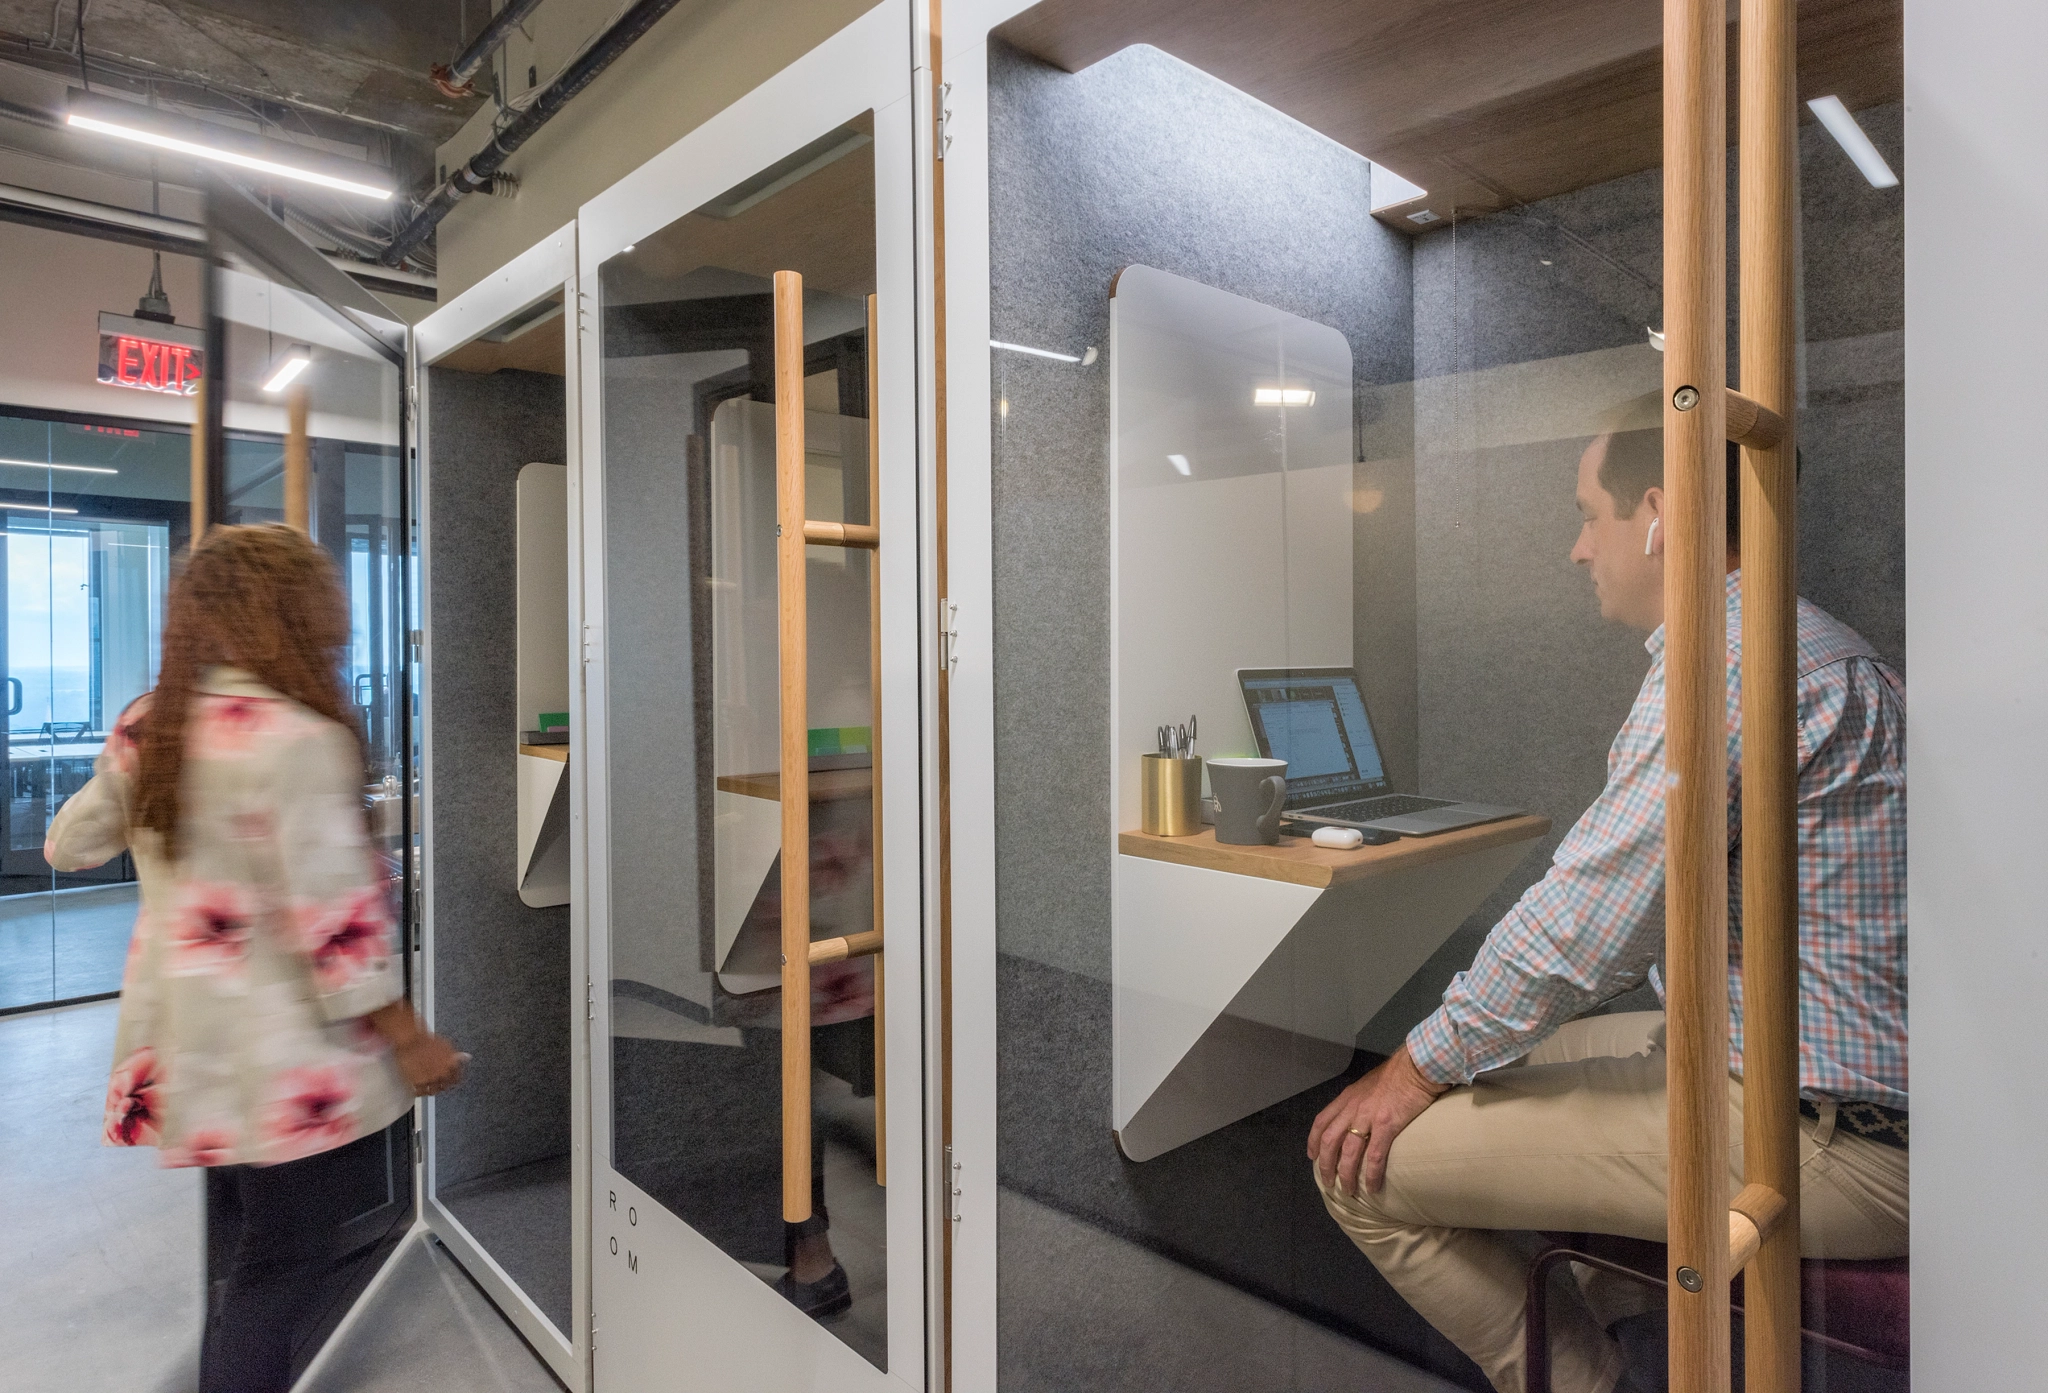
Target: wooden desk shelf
x,y
827,785
1299,861
1243,974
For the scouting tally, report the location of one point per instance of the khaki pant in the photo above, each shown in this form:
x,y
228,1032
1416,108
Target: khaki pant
x,y
1573,1139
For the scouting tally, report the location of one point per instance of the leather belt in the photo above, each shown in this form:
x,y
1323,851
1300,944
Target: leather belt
x,y
1873,1121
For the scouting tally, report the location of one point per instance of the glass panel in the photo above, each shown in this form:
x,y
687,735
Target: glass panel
x,y
503,956
1352,480
90,514
689,459
355,508
358,509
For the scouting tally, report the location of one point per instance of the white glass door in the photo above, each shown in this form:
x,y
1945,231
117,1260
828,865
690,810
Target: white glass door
x,y
759,1157
506,1156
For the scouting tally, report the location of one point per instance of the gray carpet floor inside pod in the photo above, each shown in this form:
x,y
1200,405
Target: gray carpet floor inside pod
x,y
521,1217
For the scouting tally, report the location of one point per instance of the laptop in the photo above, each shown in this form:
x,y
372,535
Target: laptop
x,y
1315,719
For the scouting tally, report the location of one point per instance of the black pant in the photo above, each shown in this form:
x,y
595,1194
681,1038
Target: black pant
x,y
291,1222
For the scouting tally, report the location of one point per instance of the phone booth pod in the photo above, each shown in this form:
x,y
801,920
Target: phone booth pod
x,y
1280,398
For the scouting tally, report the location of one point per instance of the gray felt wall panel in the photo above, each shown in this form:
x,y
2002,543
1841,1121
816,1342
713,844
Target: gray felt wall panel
x,y
1486,662
654,864
1143,159
501,970
1522,685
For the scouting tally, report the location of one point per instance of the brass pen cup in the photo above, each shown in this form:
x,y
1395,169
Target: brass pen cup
x,y
1172,796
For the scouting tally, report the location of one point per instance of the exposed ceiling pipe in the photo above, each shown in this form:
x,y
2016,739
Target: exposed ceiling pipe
x,y
477,174
107,222
34,208
453,78
32,115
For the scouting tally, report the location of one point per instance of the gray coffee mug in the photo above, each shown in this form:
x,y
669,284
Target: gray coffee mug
x,y
1250,794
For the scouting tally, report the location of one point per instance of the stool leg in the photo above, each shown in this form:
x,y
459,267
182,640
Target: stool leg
x,y
1536,1322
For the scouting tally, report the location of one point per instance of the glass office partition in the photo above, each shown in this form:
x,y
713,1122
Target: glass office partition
x,y
306,425
1327,444
355,482
690,411
92,511
503,965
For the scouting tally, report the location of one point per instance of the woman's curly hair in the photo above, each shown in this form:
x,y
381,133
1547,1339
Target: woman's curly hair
x,y
264,599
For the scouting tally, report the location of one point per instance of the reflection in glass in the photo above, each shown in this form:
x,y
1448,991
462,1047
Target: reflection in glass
x,y
344,408
91,514
693,725
354,504
1494,325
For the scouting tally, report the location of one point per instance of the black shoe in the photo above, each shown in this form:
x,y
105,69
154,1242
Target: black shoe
x,y
823,1299
1645,1345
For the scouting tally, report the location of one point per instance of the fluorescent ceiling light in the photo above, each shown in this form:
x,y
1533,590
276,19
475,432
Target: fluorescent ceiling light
x,y
1842,126
37,508
162,130
72,468
295,361
1180,462
1283,396
1035,352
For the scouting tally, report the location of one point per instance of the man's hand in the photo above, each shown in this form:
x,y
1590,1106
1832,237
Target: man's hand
x,y
1361,1122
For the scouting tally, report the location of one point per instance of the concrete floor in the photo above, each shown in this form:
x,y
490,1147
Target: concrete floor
x,y
427,1326
100,1266
100,1276
99,1272
66,944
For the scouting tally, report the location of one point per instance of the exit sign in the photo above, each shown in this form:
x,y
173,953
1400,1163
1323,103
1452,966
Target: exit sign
x,y
150,356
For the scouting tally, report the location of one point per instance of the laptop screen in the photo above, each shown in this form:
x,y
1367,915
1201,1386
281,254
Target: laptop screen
x,y
1315,719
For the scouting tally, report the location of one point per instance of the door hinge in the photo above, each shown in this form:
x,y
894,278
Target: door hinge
x,y
949,635
942,116
589,1000
419,1146
591,639
952,1188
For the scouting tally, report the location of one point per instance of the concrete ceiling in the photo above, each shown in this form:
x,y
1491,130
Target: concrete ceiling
x,y
363,61
347,76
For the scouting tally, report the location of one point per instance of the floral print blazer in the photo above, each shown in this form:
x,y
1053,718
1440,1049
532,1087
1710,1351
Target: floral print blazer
x,y
255,957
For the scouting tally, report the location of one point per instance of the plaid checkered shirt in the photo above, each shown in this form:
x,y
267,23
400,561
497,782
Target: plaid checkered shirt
x,y
1594,925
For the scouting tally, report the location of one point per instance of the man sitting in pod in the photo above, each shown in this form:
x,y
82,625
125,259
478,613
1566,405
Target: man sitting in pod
x,y
1506,1111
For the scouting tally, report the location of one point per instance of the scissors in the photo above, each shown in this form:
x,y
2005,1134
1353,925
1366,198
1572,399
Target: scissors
x,y
1177,742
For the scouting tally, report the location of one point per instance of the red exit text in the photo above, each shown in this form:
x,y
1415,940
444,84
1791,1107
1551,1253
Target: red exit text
x,y
150,366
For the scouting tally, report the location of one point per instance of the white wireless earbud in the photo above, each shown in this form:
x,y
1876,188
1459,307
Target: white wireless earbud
x,y
1650,541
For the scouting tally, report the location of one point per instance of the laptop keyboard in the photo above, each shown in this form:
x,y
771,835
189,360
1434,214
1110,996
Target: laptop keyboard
x,y
1373,809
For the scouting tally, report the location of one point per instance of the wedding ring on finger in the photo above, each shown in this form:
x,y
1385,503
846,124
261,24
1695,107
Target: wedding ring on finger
x,y
1355,1132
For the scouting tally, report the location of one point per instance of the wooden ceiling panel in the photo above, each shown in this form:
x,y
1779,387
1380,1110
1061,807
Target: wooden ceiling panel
x,y
1485,103
540,348
1353,70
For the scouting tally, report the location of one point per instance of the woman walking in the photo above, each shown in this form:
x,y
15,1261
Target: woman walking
x,y
263,1024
